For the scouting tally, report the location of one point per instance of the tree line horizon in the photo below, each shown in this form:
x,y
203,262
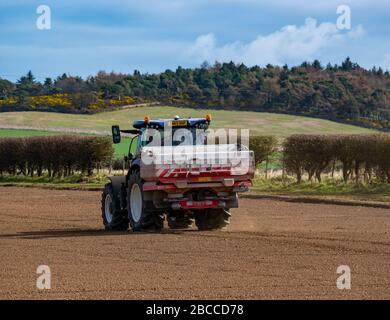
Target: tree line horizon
x,y
346,93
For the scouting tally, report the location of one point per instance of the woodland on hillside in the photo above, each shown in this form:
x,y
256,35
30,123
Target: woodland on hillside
x,y
346,92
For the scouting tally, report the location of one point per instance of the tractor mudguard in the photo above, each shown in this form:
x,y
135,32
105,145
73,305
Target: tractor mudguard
x,y
135,164
117,182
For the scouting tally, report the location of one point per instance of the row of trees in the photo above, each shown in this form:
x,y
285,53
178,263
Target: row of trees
x,y
58,156
343,92
64,94
357,156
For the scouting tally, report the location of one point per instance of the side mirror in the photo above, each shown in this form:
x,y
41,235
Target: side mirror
x,y
116,134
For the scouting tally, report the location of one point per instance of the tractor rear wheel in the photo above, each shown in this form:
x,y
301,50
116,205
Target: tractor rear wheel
x,y
113,218
140,217
179,219
212,219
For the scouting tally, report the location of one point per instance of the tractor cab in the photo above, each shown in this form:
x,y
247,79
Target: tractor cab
x,y
164,132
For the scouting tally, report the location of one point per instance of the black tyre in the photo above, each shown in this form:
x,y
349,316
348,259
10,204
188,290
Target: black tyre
x,y
113,218
179,219
141,218
212,219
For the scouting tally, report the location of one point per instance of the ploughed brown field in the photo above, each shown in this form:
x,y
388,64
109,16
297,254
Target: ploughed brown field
x,y
272,249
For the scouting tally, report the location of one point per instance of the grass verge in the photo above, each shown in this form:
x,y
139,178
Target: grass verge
x,y
326,189
76,181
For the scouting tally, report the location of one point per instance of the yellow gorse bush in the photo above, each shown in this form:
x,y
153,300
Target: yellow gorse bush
x,y
57,99
65,100
7,101
100,103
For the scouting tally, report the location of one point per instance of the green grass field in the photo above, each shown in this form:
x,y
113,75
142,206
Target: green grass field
x,y
43,123
260,123
25,133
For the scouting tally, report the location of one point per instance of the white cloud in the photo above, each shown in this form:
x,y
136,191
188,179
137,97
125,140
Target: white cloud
x,y
291,44
357,32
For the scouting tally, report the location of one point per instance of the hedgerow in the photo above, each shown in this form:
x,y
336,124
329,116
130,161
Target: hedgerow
x,y
59,156
363,156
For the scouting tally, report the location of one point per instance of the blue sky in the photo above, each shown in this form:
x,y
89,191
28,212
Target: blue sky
x,y
152,36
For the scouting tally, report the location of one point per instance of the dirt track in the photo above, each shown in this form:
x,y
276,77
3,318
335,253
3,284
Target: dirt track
x,y
272,250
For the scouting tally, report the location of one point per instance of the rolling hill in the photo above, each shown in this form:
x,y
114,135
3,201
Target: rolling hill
x,y
260,123
38,123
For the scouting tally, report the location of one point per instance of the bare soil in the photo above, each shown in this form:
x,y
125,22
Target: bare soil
x,y
272,250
